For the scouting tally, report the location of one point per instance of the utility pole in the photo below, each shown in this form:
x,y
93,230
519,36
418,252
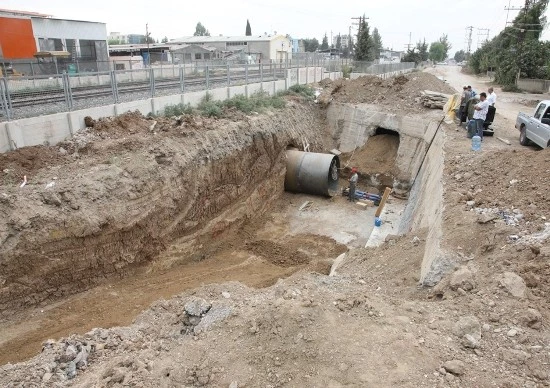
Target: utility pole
x,y
147,41
408,46
482,36
509,8
469,31
521,37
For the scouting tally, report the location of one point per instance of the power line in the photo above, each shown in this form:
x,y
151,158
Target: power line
x,y
482,36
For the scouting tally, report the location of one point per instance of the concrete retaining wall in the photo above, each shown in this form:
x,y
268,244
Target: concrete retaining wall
x,y
354,124
425,211
534,85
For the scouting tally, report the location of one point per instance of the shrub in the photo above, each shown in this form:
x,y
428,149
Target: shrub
x,y
346,71
302,90
178,110
210,108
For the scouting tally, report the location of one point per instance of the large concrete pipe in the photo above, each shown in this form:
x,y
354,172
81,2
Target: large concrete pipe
x,y
312,173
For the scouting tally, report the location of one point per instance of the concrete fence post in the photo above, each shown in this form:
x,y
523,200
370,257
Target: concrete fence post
x,y
182,79
228,75
207,73
152,81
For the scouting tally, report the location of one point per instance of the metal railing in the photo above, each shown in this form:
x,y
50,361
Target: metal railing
x,y
24,96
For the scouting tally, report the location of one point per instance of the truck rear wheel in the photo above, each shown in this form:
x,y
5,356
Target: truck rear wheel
x,y
523,140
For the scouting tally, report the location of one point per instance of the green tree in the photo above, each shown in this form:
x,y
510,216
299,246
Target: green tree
x,y
517,51
248,29
377,43
422,48
164,40
444,40
364,45
311,45
460,56
112,42
412,55
324,45
200,30
338,42
437,52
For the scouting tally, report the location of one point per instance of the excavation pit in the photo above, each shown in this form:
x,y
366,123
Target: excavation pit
x,y
204,204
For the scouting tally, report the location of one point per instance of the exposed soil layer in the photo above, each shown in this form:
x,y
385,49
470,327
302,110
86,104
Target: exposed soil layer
x,y
395,94
114,196
376,161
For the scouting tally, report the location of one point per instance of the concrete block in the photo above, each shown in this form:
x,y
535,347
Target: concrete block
x,y
280,86
38,130
236,90
254,88
219,94
159,103
4,138
267,87
193,98
144,106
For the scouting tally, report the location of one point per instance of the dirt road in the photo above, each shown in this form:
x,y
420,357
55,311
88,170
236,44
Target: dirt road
x,y
508,104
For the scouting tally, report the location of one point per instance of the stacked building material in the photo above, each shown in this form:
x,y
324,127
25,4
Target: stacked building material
x,y
434,100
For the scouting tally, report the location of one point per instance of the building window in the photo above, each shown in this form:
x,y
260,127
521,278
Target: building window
x,y
198,56
87,49
206,55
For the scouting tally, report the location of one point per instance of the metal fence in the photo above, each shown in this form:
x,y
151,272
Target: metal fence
x,y
35,68
30,96
374,68
22,97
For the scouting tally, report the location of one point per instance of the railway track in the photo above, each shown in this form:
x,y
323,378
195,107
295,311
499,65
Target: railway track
x,y
86,92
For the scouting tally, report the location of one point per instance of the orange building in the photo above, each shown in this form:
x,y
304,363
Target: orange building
x,y
16,38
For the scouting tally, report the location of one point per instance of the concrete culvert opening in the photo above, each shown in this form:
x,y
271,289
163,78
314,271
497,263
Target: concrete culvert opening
x,y
377,160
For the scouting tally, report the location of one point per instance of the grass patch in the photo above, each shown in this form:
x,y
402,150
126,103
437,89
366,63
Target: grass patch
x,y
301,90
511,88
210,108
346,71
178,110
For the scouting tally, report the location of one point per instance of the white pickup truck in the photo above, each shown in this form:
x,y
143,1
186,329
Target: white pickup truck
x,y
535,128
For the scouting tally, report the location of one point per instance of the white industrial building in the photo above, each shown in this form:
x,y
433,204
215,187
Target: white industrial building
x,y
273,48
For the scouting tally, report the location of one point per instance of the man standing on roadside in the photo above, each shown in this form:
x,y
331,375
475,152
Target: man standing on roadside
x,y
480,113
492,98
464,98
353,184
471,91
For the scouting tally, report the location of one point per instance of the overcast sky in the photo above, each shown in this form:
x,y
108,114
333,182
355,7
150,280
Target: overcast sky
x,y
395,19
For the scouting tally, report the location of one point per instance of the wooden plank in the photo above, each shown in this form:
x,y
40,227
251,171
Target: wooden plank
x,y
305,205
503,140
387,193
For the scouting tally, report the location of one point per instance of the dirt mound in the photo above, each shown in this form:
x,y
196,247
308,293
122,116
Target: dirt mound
x,y
400,93
14,165
297,250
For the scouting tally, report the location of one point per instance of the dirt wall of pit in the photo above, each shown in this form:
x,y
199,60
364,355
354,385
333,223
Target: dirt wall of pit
x,y
109,219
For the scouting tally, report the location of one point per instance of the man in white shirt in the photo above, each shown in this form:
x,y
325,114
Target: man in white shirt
x,y
480,113
492,98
